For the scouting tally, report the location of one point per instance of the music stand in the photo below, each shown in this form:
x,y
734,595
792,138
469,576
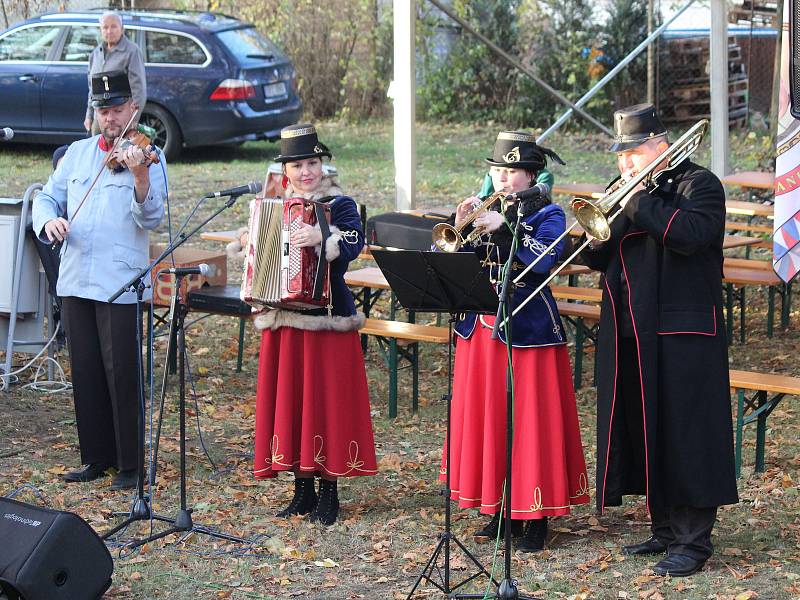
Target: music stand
x,y
450,283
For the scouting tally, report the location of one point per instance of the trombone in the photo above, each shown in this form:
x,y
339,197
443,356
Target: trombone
x,y
594,216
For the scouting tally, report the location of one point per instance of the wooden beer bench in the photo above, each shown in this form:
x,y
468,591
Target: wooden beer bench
x,y
398,342
758,406
742,273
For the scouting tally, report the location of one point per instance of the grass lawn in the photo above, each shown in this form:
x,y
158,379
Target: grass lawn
x,y
389,523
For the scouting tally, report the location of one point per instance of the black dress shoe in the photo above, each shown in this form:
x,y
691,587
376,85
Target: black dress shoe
x,y
652,545
88,472
678,565
534,536
497,522
125,480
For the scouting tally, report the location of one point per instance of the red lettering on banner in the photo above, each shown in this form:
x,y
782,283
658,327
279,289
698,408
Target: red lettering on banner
x,y
788,182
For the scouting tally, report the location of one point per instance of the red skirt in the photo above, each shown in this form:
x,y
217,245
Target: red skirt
x,y
312,405
547,467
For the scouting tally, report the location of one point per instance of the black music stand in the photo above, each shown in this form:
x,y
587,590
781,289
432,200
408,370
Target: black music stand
x,y
450,283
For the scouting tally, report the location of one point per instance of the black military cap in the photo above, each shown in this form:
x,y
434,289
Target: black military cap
x,y
635,125
519,150
110,88
299,142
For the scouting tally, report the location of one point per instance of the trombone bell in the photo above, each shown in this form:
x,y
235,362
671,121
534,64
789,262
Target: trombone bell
x,y
592,219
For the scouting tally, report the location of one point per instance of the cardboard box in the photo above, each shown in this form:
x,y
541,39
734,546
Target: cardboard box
x,y
164,286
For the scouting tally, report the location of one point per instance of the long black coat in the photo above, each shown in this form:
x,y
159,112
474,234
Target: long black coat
x,y
667,245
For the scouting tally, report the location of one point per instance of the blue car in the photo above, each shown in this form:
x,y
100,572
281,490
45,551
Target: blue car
x,y
211,79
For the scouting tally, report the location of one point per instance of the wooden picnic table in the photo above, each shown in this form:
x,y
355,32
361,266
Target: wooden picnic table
x,y
580,190
220,236
749,209
757,180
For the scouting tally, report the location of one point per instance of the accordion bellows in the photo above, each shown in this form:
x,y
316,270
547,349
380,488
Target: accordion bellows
x,y
276,273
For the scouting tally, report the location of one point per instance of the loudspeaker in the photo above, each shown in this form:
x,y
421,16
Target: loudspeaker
x,y
50,555
400,230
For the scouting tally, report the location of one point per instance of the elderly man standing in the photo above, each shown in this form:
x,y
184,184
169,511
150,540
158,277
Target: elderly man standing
x,y
115,53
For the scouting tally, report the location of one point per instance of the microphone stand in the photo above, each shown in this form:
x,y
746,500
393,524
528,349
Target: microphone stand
x,y
507,590
141,509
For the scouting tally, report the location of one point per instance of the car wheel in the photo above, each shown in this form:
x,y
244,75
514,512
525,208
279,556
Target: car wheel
x,y
168,135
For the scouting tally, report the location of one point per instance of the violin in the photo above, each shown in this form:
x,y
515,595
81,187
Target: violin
x,y
141,137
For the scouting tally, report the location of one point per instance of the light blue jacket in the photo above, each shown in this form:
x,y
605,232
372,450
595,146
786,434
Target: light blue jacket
x,y
108,243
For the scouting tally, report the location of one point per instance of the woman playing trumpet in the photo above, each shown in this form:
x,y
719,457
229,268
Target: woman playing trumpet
x,y
547,470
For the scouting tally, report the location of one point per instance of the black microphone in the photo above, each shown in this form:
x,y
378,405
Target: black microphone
x,y
6,133
540,189
201,269
250,188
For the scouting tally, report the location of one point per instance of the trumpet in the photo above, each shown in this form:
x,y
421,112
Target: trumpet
x,y
448,238
594,216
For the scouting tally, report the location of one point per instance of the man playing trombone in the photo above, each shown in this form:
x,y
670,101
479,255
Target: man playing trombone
x,y
664,416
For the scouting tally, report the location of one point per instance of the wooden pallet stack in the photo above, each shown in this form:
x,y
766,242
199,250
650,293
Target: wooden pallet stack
x,y
686,85
761,13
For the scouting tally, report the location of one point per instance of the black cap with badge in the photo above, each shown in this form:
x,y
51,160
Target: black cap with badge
x,y
110,88
518,149
299,142
634,125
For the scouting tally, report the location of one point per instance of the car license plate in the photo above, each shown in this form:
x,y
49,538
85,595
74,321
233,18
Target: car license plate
x,y
274,90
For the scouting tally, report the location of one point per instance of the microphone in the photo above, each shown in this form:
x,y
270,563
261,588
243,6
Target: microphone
x,y
250,188
540,189
201,269
6,133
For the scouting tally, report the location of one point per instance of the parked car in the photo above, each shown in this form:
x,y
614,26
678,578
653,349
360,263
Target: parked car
x,y
211,79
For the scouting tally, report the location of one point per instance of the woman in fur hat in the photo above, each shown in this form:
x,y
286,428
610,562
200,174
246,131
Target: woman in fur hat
x,y
548,470
312,403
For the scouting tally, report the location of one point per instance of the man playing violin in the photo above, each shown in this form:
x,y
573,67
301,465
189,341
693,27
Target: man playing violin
x,y
104,246
663,405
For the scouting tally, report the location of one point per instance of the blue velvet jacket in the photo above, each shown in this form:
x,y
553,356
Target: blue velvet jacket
x,y
347,232
538,323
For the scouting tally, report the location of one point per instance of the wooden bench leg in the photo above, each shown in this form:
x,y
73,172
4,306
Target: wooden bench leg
x,y
365,307
742,310
392,378
579,338
240,353
761,431
770,310
415,378
739,427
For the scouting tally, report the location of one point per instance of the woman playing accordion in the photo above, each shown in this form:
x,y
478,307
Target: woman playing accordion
x,y
548,470
312,403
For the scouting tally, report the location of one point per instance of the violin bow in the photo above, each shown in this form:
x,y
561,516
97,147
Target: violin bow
x,y
103,166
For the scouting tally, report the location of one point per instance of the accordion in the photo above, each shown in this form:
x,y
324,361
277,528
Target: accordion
x,y
276,273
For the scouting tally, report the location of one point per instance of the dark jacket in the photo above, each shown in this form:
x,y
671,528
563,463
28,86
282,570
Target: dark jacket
x,y
538,323
667,250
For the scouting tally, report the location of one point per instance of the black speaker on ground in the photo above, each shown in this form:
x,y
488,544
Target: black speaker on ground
x,y
401,230
50,555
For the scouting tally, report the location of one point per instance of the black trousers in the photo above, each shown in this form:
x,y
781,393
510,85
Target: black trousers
x,y
102,346
684,529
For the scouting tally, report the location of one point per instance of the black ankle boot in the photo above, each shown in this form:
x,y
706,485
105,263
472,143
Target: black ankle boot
x,y
328,505
534,536
489,532
304,500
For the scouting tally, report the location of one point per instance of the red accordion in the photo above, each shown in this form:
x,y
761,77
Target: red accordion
x,y
276,273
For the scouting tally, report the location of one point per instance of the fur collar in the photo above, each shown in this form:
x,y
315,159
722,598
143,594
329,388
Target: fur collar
x,y
327,187
276,318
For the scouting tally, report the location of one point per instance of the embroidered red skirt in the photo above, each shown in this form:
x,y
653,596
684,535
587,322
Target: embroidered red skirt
x,y
547,466
312,405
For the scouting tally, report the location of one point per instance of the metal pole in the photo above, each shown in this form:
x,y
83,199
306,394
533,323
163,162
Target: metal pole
x,y
651,67
612,73
518,65
404,98
718,46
